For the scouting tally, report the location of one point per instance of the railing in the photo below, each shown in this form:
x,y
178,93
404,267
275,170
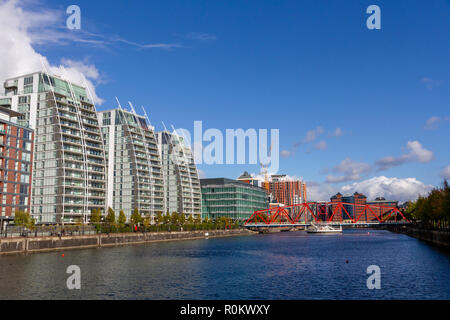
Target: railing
x,y
45,231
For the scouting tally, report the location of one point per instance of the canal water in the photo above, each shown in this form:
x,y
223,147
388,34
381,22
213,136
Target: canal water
x,y
290,265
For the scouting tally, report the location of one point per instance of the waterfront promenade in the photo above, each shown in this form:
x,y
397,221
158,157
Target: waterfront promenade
x,y
53,243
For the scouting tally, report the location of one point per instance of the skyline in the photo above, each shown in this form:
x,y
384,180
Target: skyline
x,y
358,110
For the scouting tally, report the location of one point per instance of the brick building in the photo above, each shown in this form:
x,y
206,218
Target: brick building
x,y
16,156
287,191
353,204
381,206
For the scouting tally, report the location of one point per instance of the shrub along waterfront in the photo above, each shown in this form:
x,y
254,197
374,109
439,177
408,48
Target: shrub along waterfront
x,y
168,222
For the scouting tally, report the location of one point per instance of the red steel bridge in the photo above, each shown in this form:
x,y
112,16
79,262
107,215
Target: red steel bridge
x,y
333,213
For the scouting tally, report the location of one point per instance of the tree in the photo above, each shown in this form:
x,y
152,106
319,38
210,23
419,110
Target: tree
x,y
166,218
122,219
446,201
136,217
111,217
190,219
410,211
182,219
146,222
23,219
96,216
174,218
158,218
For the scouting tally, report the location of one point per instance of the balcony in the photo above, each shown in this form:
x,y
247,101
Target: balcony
x,y
5,102
10,84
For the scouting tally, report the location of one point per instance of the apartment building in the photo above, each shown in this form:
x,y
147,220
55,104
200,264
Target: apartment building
x,y
135,178
16,156
69,176
285,190
182,192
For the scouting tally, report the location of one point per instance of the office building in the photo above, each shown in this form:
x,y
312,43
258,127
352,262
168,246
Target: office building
x,y
353,204
381,206
182,191
135,178
69,177
233,199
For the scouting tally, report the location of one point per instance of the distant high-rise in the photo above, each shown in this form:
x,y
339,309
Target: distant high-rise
x,y
285,190
69,161
135,178
182,192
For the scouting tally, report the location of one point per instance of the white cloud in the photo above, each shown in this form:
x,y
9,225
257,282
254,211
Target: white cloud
x,y
445,173
322,145
319,191
352,171
312,134
200,36
21,29
416,153
285,153
432,123
337,133
430,83
389,188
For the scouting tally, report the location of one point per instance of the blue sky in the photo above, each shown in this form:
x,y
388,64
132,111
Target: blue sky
x,y
289,65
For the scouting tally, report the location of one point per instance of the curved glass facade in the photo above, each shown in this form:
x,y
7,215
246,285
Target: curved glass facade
x,y
69,176
135,178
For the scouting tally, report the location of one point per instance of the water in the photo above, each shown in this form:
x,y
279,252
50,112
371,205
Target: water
x,y
291,265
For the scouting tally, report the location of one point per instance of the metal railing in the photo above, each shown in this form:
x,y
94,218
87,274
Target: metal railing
x,y
47,231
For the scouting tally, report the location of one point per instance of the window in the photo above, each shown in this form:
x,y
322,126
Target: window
x,y
26,134
28,80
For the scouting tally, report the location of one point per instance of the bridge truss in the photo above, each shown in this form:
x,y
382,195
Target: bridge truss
x,y
335,213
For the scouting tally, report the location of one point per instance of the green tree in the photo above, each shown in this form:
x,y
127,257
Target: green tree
x,y
158,218
190,219
96,216
110,220
446,202
23,219
136,217
146,222
174,218
122,219
111,217
181,219
166,218
410,212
